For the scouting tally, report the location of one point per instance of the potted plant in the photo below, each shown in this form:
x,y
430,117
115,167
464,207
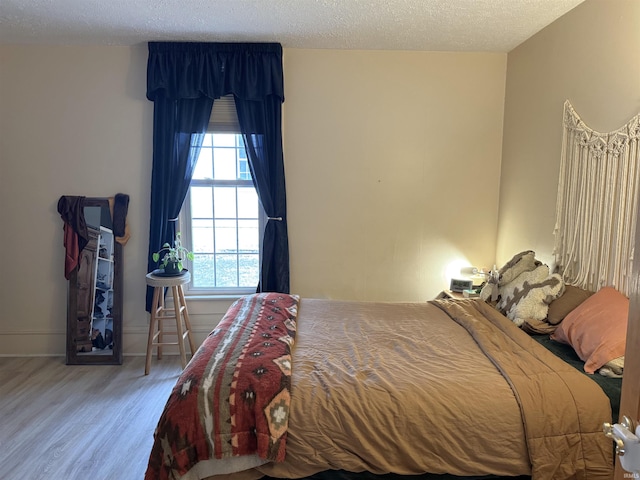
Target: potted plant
x,y
173,256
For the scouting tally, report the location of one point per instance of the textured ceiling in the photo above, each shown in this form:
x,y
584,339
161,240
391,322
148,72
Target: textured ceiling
x,y
436,25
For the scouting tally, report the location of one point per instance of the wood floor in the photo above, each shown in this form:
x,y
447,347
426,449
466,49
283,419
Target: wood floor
x,y
60,422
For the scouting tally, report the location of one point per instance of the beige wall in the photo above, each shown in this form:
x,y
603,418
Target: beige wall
x,y
392,163
74,121
591,57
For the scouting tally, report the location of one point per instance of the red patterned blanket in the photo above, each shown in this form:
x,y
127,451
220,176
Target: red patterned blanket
x,y
233,398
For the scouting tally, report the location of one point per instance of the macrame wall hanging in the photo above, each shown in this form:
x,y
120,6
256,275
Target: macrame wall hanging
x,y
596,206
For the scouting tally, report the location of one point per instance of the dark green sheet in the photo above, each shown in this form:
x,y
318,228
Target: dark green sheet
x,y
610,386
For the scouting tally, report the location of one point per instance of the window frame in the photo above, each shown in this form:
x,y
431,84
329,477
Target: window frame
x,y
185,218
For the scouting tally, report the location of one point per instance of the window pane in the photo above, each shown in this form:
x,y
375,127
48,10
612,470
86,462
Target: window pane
x,y
224,199
202,236
203,274
248,236
201,202
224,139
226,271
204,165
244,173
242,153
224,166
226,236
248,270
247,202
206,142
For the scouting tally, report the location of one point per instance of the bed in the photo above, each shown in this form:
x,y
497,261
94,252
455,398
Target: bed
x,y
310,388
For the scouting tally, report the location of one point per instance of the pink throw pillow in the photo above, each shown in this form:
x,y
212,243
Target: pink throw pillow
x,y
597,328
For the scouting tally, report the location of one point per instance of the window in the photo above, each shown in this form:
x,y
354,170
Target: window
x,y
222,219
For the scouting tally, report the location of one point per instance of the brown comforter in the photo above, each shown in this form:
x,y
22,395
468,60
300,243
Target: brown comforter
x,y
388,387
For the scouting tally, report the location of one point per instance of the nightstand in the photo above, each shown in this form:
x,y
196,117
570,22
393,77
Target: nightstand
x,y
451,295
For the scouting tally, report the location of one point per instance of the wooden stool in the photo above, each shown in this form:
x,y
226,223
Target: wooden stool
x,y
159,313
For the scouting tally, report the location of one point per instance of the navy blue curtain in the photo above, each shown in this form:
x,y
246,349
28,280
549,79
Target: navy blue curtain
x,y
183,80
260,125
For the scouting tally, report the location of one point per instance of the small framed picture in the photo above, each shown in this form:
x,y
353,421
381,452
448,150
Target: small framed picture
x,y
460,284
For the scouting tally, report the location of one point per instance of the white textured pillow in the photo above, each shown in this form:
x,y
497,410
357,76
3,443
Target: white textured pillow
x,y
507,290
519,263
528,296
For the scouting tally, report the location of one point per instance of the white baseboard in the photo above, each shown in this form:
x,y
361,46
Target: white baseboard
x,y
47,343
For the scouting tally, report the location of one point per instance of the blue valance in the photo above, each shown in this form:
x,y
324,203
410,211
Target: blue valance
x,y
182,70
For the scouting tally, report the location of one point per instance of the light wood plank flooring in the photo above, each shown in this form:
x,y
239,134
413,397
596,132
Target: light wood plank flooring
x,y
60,422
